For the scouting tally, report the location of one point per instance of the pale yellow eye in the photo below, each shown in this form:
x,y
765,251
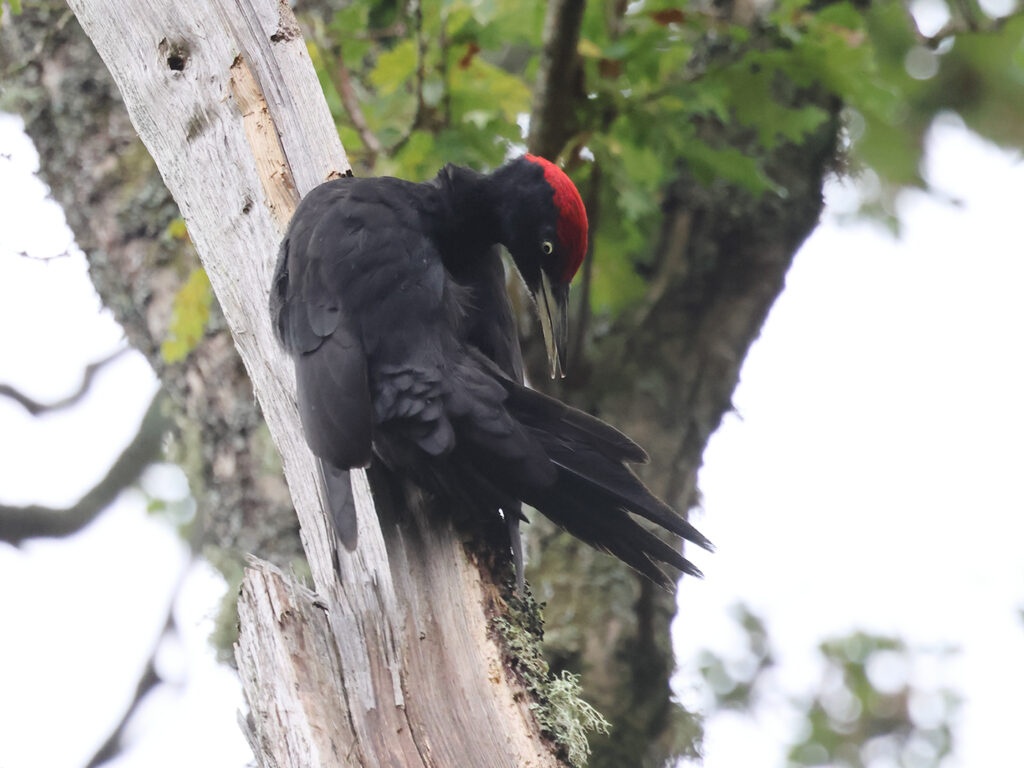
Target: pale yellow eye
x,y
547,247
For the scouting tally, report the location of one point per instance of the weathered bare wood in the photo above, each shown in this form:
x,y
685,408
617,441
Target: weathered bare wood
x,y
421,681
299,702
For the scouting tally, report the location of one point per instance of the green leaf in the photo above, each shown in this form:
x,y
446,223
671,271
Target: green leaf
x,y
709,163
589,49
394,68
177,229
350,138
841,15
483,86
615,283
892,149
348,19
416,158
189,317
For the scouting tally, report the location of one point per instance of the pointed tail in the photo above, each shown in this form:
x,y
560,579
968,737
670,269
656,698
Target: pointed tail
x,y
595,493
340,504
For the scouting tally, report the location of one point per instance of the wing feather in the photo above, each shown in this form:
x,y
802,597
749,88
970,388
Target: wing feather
x,y
312,323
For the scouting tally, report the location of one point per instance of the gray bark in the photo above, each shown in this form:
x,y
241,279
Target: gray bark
x,y
560,90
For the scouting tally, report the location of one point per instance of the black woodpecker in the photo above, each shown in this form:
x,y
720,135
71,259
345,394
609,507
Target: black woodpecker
x,y
390,297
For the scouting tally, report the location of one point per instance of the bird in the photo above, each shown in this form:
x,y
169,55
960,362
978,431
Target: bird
x,y
390,296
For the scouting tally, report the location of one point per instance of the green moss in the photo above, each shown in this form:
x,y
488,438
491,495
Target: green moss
x,y
557,704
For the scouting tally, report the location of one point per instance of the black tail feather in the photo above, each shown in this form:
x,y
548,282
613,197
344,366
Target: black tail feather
x,y
631,494
612,530
537,410
340,504
595,491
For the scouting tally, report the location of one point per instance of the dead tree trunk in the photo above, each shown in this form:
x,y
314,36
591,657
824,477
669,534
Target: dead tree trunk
x,y
393,664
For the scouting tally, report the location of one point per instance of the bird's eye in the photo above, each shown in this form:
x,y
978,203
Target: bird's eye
x,y
547,247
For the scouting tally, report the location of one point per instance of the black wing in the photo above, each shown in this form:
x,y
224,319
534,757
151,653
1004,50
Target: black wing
x,y
313,325
330,364
358,300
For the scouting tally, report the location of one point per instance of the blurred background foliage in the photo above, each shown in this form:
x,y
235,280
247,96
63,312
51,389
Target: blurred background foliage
x,y
453,79
413,83
877,702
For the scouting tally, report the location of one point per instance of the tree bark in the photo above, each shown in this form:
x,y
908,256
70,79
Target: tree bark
x,y
560,90
667,373
225,98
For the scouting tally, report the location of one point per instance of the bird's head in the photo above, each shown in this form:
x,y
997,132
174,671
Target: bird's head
x,y
544,227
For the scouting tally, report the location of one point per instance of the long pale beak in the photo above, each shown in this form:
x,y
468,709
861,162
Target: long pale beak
x,y
553,308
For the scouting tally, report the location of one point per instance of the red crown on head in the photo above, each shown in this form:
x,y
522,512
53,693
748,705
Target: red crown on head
x,y
572,215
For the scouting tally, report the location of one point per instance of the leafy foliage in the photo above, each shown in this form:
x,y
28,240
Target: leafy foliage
x,y
866,709
857,718
663,83
735,682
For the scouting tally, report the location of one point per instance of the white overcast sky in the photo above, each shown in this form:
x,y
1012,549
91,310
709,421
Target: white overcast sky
x,y
870,480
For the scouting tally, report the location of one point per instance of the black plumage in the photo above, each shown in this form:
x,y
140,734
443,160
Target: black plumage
x,y
390,296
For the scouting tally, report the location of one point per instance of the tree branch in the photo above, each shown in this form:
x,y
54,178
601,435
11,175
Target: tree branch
x,y
114,745
593,206
32,257
35,407
446,80
148,680
349,97
20,523
118,208
15,65
349,100
559,80
672,265
415,9
421,61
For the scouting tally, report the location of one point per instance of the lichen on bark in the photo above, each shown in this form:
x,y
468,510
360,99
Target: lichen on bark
x,y
562,712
